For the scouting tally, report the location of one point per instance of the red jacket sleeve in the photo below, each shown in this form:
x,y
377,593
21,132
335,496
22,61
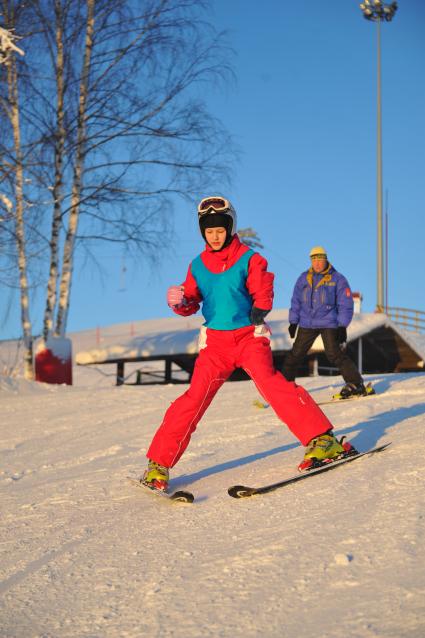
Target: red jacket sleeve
x,y
192,296
260,282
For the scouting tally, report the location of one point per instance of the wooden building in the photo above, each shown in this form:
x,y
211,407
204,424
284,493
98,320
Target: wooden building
x,y
164,350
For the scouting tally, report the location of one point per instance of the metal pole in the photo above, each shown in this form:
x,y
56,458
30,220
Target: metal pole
x,y
378,11
380,268
360,355
386,259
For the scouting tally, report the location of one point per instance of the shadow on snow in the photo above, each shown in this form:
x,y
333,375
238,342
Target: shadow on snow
x,y
368,435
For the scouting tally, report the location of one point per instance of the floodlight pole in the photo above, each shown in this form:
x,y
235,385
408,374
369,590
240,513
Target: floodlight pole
x,y
379,223
377,11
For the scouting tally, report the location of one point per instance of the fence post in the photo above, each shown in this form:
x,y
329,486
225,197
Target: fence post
x,y
167,377
360,355
120,372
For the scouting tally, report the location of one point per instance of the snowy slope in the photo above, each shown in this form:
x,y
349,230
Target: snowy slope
x,y
85,554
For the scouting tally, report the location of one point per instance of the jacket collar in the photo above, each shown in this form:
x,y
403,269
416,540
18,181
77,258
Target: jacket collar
x,y
225,254
326,275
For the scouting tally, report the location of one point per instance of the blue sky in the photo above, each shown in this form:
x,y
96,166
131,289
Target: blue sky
x,y
303,114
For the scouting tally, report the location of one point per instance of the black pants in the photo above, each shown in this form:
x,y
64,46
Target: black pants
x,y
337,357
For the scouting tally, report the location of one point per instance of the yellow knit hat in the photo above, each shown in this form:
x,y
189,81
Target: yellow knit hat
x,y
318,250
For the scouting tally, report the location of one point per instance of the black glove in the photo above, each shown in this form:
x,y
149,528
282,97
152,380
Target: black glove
x,y
257,315
292,329
341,334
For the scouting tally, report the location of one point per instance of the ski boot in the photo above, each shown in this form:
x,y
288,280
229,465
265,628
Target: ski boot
x,y
323,449
353,390
156,476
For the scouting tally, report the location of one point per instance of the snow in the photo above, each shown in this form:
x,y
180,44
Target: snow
x,y
87,555
60,347
7,44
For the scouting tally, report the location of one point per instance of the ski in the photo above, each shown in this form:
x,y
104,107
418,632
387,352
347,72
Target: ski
x,y
335,399
178,497
370,392
242,491
353,398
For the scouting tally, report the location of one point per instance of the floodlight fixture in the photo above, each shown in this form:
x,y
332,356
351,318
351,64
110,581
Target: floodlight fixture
x,y
379,10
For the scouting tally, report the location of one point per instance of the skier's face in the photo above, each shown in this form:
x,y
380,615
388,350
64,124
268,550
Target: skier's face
x,y
216,237
319,263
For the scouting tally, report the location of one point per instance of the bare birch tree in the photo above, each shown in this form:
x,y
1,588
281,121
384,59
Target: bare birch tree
x,y
68,254
11,110
131,135
117,126
59,158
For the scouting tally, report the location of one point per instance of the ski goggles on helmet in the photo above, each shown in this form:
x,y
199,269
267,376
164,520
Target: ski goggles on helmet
x,y
216,204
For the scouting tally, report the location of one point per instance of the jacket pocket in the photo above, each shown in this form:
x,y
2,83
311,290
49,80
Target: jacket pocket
x,y
330,295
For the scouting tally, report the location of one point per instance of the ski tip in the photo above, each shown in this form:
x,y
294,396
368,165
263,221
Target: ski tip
x,y
240,491
182,497
260,404
382,447
179,496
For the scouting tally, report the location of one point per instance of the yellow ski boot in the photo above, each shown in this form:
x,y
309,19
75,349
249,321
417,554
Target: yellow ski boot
x,y
323,449
156,476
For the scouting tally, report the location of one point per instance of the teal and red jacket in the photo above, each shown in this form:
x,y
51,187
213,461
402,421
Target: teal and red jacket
x,y
321,300
228,283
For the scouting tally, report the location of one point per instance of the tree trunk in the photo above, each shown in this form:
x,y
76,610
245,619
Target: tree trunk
x,y
68,255
13,99
58,180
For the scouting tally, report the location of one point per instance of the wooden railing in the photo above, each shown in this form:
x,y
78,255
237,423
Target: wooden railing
x,y
409,319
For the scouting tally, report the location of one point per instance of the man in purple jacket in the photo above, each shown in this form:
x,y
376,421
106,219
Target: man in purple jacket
x,y
322,303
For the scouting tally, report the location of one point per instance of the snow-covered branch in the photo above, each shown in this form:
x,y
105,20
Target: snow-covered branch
x,y
6,202
7,44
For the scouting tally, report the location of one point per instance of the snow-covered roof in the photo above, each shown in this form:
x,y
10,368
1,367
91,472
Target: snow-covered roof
x,y
416,341
151,338
157,338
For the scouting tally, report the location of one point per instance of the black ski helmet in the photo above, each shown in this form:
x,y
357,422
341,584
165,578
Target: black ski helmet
x,y
217,211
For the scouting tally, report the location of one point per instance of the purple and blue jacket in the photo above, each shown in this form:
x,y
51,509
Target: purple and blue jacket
x,y
321,300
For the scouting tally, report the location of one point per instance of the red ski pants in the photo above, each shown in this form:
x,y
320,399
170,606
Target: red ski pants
x,y
225,351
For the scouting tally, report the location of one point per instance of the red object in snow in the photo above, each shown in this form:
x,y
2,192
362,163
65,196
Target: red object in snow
x,y
53,361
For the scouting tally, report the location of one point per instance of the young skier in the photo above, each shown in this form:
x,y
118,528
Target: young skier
x,y
236,291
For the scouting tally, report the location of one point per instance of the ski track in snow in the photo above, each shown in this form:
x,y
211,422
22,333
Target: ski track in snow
x,y
86,555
